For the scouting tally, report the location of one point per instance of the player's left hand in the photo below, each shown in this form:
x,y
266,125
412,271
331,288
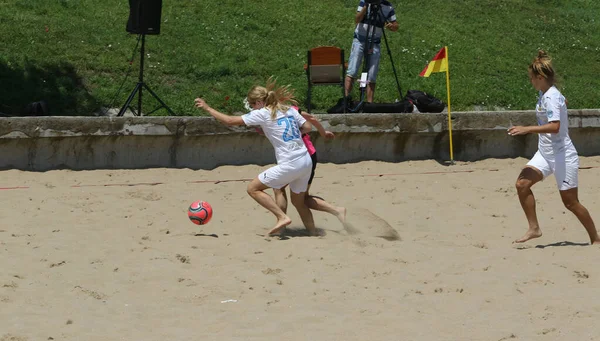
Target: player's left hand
x,y
329,135
517,130
200,103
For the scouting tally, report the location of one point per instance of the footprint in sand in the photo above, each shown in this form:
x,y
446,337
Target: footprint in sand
x,y
10,337
145,195
581,276
93,294
547,331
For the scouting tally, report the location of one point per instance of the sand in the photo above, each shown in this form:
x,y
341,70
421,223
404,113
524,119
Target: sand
x,y
433,259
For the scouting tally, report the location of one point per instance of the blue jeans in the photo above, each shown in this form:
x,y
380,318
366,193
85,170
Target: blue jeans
x,y
356,57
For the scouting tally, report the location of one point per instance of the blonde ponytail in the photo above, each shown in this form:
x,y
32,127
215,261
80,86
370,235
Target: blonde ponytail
x,y
278,98
274,98
542,66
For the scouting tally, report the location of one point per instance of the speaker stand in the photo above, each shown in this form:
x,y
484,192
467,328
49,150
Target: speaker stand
x,y
139,87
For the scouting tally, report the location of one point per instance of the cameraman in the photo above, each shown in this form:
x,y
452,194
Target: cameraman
x,y
379,14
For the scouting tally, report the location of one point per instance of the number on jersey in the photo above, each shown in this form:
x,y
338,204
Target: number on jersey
x,y
291,131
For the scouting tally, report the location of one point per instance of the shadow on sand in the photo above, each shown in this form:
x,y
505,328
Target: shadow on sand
x,y
563,243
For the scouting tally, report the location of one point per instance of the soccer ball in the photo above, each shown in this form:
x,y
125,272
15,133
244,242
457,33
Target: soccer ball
x,y
200,212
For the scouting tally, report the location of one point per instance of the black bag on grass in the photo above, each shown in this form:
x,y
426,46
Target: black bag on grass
x,y
405,106
425,102
35,109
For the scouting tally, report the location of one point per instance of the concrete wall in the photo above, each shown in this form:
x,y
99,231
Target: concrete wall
x,y
44,143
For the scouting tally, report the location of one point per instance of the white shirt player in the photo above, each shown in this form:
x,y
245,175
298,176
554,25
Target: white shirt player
x,y
551,107
283,132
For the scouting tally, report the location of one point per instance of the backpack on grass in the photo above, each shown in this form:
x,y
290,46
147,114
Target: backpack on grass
x,y
425,102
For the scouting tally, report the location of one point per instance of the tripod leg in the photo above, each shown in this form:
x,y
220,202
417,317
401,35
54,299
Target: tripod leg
x,y
393,67
158,99
139,86
391,59
140,101
129,99
308,99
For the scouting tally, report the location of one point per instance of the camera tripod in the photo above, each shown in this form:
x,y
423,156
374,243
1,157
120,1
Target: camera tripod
x,y
373,11
139,87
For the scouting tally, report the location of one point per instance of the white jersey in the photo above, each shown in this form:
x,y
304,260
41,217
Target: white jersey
x,y
551,107
283,132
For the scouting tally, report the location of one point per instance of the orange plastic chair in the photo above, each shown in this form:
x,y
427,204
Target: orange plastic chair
x,y
325,66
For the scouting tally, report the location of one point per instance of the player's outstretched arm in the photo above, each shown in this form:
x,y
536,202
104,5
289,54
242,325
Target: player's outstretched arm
x,y
306,127
551,127
223,118
315,122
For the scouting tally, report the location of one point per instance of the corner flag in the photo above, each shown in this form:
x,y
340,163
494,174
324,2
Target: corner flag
x,y
439,63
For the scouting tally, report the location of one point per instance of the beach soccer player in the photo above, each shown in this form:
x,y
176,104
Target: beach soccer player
x,y
283,126
556,153
312,201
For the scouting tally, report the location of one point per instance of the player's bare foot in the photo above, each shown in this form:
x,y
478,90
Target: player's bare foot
x,y
315,233
341,214
531,234
279,227
595,242
342,217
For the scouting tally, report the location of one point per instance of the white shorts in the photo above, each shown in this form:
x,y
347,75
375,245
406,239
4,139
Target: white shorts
x,y
565,168
295,173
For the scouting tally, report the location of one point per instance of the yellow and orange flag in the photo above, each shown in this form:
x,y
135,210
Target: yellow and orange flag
x,y
439,63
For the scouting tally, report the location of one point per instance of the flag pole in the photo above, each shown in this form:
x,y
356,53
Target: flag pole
x,y
448,94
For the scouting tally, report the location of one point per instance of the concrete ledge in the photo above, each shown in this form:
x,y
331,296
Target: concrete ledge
x,y
44,143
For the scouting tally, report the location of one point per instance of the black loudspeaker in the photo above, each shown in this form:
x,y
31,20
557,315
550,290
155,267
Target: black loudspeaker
x,y
144,16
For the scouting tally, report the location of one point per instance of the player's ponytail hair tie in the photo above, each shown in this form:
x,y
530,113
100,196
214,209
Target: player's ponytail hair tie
x,y
278,98
542,65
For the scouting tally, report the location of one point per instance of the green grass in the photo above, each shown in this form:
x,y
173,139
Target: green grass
x,y
75,53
